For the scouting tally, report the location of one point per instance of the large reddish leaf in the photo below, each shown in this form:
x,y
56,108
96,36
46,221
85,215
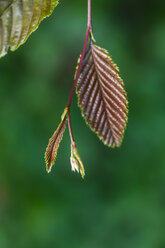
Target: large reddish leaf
x,y
102,97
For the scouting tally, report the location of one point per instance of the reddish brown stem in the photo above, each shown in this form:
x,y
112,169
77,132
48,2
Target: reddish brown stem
x,y
79,67
89,27
89,14
70,128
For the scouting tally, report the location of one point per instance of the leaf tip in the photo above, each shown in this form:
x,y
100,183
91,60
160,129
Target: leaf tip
x,y
48,167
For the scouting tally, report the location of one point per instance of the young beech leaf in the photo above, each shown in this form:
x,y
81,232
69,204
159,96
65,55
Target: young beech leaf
x,y
19,18
101,96
54,142
75,160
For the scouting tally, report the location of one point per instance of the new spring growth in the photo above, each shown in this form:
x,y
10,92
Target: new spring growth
x,y
75,160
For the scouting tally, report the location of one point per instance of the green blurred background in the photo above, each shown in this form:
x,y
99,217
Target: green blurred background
x,y
121,202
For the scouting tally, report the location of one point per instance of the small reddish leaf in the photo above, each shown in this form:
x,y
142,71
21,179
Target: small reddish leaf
x,y
54,142
102,97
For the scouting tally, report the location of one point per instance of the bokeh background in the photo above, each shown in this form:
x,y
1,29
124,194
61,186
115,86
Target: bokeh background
x,y
121,202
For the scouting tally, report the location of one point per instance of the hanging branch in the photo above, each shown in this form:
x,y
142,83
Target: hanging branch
x,y
101,97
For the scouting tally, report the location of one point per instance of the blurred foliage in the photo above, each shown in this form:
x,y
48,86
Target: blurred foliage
x,y
121,202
